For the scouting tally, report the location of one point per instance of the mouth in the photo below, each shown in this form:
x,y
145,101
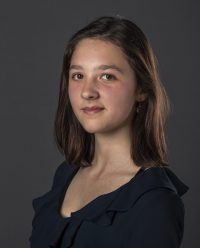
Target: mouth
x,y
92,111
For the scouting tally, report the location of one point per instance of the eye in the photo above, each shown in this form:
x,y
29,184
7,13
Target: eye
x,y
109,76
76,74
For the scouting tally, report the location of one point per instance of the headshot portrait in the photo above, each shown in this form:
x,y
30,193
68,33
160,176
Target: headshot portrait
x,y
99,105
115,187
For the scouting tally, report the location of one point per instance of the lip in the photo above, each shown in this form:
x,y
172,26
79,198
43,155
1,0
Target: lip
x,y
92,111
93,108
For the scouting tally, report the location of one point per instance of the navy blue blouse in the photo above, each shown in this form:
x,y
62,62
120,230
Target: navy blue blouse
x,y
146,212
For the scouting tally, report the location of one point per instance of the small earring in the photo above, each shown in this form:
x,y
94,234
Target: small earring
x,y
138,107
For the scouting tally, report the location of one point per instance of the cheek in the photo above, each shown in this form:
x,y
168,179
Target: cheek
x,y
121,99
73,92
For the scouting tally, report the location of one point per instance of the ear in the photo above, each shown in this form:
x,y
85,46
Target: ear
x,y
140,96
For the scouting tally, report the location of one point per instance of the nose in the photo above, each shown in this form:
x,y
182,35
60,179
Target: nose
x,y
89,89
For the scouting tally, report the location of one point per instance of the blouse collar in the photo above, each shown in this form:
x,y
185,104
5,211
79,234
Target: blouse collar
x,y
125,197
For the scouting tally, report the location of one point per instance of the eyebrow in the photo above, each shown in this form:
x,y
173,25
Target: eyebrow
x,y
101,67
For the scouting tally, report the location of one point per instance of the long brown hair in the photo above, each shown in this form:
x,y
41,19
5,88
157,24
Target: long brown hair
x,y
148,139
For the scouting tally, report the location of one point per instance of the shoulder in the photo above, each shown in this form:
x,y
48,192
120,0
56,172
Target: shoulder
x,y
160,219
162,192
162,199
162,208
62,172
61,175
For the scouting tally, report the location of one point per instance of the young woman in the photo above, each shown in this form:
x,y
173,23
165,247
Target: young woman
x,y
114,188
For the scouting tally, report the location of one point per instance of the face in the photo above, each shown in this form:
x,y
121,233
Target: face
x,y
92,82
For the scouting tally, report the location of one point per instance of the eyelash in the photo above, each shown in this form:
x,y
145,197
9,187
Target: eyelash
x,y
113,77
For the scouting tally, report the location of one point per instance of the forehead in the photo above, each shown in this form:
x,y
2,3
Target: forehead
x,y
97,46
95,42
98,52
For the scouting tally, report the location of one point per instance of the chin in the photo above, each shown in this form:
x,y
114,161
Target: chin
x,y
91,130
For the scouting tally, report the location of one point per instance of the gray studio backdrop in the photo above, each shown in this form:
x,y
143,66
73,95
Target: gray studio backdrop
x,y
33,37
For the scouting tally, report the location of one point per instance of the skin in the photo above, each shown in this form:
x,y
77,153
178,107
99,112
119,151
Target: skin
x,y
114,91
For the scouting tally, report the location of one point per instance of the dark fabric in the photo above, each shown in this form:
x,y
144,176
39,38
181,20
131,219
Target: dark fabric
x,y
146,212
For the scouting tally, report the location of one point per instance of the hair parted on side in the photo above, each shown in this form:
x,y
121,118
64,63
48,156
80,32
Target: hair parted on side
x,y
149,147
